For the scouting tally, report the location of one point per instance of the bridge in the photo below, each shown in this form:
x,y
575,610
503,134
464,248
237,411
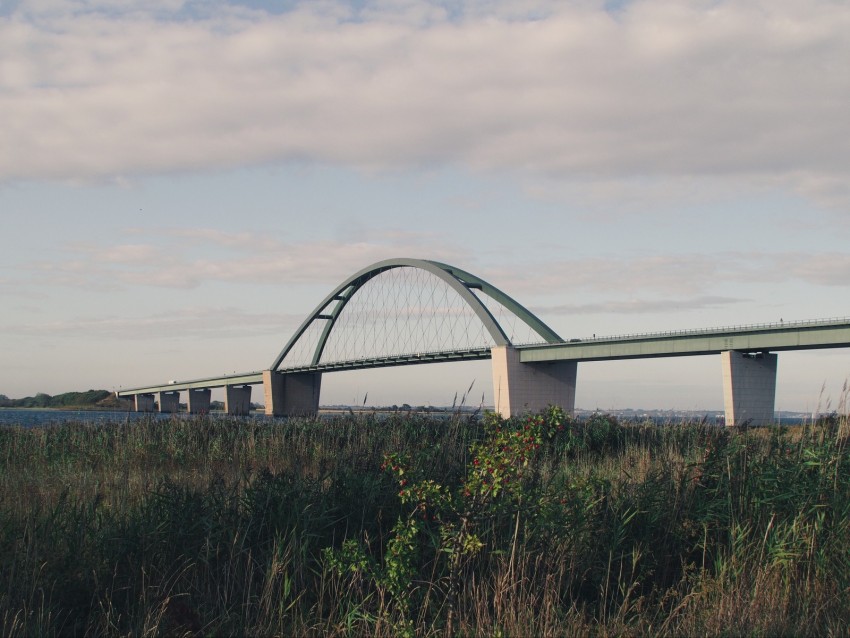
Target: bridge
x,y
413,311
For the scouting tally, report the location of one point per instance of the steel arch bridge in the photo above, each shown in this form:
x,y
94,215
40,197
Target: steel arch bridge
x,y
414,311
411,311
395,312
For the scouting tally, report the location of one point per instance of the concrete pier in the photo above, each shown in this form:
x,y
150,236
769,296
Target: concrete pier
x,y
292,394
169,402
749,387
530,387
237,400
144,402
273,392
199,400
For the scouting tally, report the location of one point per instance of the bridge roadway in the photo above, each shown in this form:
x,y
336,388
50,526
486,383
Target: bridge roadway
x,y
770,337
252,378
748,367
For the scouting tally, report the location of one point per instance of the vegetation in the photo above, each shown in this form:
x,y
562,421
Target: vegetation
x,y
66,400
407,525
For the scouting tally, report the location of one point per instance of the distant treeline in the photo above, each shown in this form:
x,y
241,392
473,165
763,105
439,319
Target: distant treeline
x,y
42,400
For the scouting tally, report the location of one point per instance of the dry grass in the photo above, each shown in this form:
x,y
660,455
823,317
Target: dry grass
x,y
216,526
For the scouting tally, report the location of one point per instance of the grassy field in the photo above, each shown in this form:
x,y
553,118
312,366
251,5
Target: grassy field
x,y
409,526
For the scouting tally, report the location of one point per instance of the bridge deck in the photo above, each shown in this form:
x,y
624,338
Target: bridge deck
x,y
801,335
245,378
250,378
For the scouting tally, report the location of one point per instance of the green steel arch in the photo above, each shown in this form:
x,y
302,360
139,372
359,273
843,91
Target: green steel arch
x,y
458,280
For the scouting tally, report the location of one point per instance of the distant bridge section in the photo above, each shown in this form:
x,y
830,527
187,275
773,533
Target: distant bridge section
x,y
244,378
237,394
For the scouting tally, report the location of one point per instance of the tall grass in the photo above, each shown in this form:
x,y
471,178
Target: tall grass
x,y
215,525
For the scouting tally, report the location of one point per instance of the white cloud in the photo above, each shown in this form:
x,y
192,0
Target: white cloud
x,y
252,259
824,269
186,258
636,306
685,275
754,89
682,274
127,254
192,322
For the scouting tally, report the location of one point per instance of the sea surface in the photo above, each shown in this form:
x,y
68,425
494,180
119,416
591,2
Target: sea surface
x,y
33,417
44,417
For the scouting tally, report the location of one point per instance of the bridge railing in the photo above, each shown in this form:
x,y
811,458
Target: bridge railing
x,y
395,359
779,325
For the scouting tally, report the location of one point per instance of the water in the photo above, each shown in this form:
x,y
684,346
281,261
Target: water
x,y
32,417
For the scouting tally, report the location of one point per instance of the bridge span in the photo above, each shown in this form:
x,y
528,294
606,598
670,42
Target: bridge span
x,y
410,312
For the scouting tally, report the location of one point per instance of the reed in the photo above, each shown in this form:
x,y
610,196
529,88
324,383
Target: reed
x,y
214,525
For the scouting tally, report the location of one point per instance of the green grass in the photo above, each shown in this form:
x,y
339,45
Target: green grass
x,y
220,526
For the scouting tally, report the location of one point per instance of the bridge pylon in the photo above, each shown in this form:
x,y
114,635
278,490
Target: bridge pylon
x,y
530,387
169,402
749,387
292,394
199,400
237,400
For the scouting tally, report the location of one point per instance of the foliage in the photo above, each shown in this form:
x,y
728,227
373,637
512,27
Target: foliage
x,y
541,524
68,399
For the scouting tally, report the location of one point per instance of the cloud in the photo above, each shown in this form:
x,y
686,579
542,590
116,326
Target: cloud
x,y
755,89
126,254
186,258
636,306
192,323
673,273
683,274
827,269
251,258
236,241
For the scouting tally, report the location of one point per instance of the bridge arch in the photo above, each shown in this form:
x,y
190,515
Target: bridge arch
x,y
326,316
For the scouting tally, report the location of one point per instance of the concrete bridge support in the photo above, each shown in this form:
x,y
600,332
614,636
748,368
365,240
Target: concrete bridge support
x,y
295,394
144,402
749,387
237,399
529,387
169,402
199,400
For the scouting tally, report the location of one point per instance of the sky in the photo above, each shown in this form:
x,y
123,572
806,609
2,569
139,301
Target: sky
x,y
181,182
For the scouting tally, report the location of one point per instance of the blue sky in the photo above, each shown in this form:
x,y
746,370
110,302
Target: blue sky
x,y
181,182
